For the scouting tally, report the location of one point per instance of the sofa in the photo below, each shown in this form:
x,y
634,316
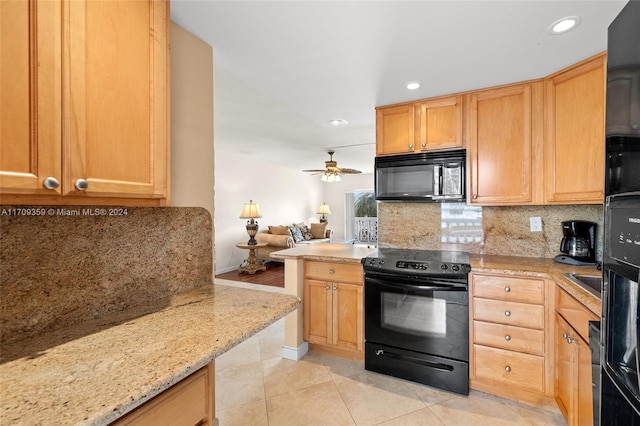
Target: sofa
x,y
288,236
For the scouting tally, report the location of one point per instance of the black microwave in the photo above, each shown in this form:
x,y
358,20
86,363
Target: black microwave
x,y
422,177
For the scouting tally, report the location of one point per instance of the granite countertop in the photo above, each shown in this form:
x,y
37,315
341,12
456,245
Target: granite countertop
x,y
544,268
332,252
95,372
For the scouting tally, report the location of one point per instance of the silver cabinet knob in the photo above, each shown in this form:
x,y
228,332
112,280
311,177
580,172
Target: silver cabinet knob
x,y
51,183
507,313
507,337
335,288
424,144
565,335
475,197
410,146
331,271
81,184
327,287
507,369
507,289
570,340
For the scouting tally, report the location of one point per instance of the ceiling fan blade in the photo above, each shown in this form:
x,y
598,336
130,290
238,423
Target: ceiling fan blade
x,y
349,171
315,171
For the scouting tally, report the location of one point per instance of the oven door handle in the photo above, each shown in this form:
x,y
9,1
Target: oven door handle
x,y
414,360
436,287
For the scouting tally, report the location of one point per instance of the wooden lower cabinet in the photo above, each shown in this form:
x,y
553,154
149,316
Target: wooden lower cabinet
x,y
189,402
511,337
573,377
333,308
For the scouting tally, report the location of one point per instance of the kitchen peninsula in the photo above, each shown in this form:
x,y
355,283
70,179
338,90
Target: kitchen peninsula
x,y
328,265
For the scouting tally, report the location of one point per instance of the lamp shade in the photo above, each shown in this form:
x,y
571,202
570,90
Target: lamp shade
x,y
250,210
324,209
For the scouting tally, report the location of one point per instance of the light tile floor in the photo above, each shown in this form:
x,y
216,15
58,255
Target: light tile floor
x,y
256,386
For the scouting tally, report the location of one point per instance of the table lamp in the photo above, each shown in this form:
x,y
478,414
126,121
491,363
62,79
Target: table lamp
x,y
323,210
251,211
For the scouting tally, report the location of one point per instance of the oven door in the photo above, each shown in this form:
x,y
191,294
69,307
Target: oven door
x,y
430,316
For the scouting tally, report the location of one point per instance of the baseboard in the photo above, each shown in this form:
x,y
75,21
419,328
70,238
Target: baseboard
x,y
227,269
295,354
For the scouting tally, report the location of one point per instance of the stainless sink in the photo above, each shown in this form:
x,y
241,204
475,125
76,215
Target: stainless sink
x,y
590,283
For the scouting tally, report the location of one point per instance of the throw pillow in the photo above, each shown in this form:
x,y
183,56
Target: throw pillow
x,y
296,234
279,230
317,229
306,233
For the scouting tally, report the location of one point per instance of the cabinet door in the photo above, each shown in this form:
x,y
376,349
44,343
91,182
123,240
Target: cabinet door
x,y
30,96
564,368
317,314
347,316
395,130
439,123
504,128
115,91
574,134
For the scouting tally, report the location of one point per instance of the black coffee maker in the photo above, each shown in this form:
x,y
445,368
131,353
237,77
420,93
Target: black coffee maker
x,y
578,246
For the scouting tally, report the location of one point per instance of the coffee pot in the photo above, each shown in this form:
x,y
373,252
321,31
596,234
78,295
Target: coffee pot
x,y
578,245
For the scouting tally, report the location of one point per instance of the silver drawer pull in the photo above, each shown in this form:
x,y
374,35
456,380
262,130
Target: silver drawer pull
x,y
507,369
331,271
507,337
507,289
507,313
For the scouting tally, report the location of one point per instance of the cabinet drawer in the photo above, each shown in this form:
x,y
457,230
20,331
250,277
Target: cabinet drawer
x,y
511,368
334,271
510,313
509,337
574,312
515,289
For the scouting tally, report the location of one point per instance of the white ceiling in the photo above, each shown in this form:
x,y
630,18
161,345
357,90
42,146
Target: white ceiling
x,y
284,69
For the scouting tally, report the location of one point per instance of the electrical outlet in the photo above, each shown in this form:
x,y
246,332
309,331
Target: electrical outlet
x,y
536,224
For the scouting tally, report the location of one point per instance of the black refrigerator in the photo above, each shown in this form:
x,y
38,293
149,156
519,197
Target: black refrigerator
x,y
620,325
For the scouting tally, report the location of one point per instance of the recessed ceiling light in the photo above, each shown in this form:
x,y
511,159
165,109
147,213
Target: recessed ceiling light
x,y
563,25
338,122
413,85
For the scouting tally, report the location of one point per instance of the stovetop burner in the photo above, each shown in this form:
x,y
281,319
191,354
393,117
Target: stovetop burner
x,y
411,261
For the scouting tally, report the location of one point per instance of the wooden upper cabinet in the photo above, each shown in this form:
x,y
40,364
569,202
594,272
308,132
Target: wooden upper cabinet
x,y
504,128
395,130
93,100
438,123
30,91
574,133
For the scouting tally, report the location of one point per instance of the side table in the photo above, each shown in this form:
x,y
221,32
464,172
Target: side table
x,y
252,265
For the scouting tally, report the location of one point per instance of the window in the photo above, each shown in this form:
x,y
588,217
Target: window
x,y
362,218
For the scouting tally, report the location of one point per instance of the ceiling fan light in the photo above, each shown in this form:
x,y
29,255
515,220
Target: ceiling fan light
x,y
324,177
338,178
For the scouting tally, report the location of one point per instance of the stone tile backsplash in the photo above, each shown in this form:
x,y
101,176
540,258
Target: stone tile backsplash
x,y
482,230
69,266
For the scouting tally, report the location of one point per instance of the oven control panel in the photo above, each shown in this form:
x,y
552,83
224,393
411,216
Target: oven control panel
x,y
425,266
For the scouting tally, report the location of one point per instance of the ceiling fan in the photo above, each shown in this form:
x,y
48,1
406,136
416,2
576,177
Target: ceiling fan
x,y
331,172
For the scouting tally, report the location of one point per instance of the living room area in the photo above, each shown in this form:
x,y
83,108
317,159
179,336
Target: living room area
x,y
285,196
